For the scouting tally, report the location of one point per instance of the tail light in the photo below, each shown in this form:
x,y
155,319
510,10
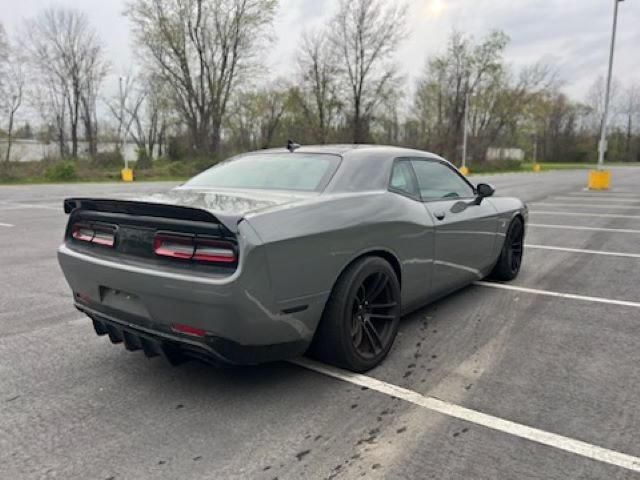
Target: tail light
x,y
190,247
214,251
104,235
173,246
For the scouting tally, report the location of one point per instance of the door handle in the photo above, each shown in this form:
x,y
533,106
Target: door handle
x,y
440,215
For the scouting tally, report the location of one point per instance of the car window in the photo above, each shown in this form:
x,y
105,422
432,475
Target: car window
x,y
436,181
402,179
271,171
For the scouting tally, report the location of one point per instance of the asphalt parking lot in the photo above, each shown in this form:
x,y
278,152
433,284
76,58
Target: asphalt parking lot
x,y
537,379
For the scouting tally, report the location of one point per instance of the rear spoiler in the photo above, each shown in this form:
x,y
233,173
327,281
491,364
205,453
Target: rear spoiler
x,y
151,209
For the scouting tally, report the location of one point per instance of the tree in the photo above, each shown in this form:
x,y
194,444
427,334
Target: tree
x,y
257,116
66,55
630,107
595,102
497,97
202,49
141,110
12,85
317,93
366,35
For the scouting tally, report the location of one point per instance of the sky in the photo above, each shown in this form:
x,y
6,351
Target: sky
x,y
571,35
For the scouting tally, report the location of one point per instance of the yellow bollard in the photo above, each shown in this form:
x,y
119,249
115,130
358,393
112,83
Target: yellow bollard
x,y
536,167
464,171
127,175
599,179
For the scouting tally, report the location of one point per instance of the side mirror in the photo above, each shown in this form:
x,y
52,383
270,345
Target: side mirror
x,y
483,190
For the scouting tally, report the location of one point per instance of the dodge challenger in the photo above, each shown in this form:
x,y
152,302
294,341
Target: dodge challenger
x,y
282,252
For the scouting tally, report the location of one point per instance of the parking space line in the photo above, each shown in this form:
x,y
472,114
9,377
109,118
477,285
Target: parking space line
x,y
549,293
604,200
8,225
581,214
18,206
591,194
587,205
560,442
577,227
582,250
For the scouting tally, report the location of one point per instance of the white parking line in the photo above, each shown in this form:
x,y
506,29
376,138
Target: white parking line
x,y
543,437
591,194
598,199
18,206
582,250
576,227
588,205
548,293
8,225
580,214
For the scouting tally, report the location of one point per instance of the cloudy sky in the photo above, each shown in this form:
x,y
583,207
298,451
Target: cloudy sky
x,y
572,35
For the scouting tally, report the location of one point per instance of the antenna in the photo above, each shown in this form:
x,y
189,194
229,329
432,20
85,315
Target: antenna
x,y
292,146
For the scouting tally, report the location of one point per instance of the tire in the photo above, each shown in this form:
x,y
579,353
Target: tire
x,y
510,259
360,320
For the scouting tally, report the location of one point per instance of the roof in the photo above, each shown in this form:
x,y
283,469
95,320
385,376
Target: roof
x,y
341,149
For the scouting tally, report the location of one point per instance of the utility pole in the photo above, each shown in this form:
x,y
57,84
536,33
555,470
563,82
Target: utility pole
x,y
123,133
600,178
463,169
602,146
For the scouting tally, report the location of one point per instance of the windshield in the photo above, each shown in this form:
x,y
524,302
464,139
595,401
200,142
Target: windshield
x,y
271,171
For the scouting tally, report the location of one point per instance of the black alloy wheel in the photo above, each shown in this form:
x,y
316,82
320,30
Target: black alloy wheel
x,y
510,260
361,318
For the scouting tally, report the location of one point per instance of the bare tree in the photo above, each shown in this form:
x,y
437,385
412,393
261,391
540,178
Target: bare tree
x,y
95,71
12,85
202,49
124,105
4,54
141,110
256,116
630,108
366,35
66,54
318,95
595,102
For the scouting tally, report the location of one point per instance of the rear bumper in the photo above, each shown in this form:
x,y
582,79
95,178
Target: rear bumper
x,y
242,321
176,349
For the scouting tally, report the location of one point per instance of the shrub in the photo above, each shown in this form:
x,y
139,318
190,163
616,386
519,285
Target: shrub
x,y
108,159
143,159
496,166
61,172
177,148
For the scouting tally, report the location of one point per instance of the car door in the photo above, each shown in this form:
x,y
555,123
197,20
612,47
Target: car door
x,y
465,232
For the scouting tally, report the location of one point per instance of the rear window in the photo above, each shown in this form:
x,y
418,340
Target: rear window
x,y
271,171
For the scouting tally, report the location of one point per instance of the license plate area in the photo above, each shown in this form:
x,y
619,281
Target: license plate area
x,y
123,302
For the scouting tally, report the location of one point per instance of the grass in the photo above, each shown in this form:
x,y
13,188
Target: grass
x,y
526,167
85,171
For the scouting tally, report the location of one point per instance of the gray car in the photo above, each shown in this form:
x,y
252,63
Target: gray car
x,y
271,254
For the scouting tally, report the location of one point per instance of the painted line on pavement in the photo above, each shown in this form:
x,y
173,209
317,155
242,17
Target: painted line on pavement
x,y
582,250
598,199
560,442
611,194
8,225
549,293
576,227
18,206
587,205
581,214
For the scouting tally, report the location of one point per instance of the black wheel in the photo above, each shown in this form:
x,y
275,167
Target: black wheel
x,y
361,318
510,259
